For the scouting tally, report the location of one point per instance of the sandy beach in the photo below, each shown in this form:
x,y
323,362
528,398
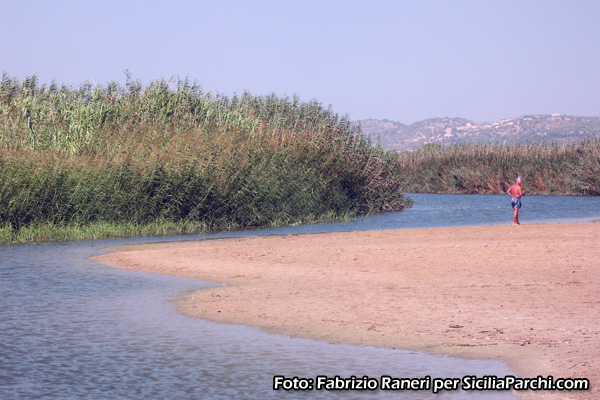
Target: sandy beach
x,y
527,295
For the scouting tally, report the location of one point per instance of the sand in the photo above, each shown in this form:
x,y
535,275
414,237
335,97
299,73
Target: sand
x,y
527,295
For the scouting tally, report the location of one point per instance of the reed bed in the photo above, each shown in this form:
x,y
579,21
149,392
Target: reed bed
x,y
492,168
99,161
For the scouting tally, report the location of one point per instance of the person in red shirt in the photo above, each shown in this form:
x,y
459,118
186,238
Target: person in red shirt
x,y
516,192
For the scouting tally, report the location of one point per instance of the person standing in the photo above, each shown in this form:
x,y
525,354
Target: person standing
x,y
516,192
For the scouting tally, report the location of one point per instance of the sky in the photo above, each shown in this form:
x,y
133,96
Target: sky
x,y
401,60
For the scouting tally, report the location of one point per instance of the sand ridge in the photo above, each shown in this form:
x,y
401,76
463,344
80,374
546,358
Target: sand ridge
x,y
527,295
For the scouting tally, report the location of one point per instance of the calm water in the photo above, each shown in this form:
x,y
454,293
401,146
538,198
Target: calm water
x,y
71,328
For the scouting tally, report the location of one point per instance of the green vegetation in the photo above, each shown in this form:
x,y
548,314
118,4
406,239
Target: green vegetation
x,y
99,161
478,168
166,158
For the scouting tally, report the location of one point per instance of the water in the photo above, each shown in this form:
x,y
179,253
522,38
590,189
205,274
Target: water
x,y
443,210
447,210
71,328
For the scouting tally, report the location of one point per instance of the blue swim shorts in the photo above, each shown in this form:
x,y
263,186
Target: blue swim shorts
x,y
515,202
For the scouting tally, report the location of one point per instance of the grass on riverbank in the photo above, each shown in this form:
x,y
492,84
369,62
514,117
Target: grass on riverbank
x,y
100,161
477,168
107,230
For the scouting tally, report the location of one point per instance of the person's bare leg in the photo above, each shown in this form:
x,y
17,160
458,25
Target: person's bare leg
x,y
516,216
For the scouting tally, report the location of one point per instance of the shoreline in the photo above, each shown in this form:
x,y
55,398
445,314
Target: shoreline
x,y
524,295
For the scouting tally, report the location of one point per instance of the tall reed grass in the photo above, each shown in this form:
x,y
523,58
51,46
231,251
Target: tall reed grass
x,y
492,168
169,155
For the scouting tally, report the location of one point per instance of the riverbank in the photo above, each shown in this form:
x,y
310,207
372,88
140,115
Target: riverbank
x,y
525,295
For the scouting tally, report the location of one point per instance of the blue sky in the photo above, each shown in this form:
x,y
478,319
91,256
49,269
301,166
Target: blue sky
x,y
399,60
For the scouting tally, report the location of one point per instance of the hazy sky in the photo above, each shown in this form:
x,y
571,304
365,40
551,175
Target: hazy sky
x,y
399,60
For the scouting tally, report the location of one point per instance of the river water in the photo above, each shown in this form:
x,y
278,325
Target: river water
x,y
71,328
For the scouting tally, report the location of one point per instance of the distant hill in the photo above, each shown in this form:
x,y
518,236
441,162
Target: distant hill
x,y
555,128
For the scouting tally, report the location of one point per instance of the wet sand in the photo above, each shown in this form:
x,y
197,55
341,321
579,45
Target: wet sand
x,y
528,295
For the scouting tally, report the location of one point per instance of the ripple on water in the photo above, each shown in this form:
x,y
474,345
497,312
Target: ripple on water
x,y
71,328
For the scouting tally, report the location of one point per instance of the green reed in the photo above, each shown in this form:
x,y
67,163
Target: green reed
x,y
93,161
492,168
